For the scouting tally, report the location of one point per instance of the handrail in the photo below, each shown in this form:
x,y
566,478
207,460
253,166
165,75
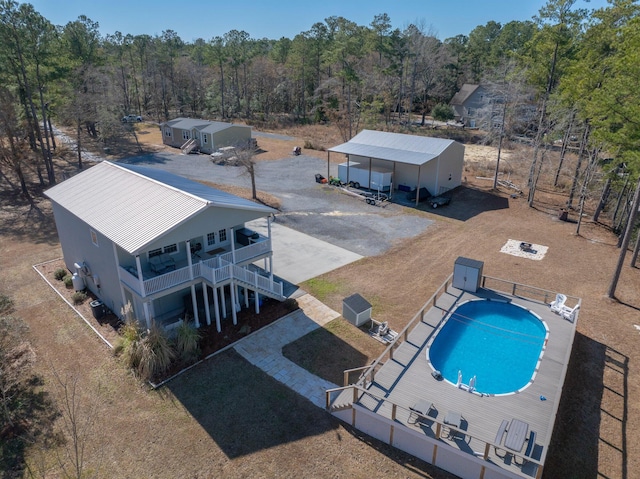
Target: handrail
x,y
546,296
439,425
215,270
403,334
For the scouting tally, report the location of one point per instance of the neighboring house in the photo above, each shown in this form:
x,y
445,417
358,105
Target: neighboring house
x,y
167,245
206,136
468,103
413,161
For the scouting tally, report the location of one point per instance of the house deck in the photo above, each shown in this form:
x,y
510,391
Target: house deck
x,y
405,378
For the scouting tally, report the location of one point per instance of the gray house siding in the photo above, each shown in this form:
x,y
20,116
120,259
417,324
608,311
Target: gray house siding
x,y
78,247
232,136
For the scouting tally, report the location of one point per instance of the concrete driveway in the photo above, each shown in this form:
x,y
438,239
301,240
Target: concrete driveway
x,y
298,257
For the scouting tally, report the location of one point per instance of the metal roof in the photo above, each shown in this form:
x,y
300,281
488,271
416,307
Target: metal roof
x,y
133,205
201,125
399,147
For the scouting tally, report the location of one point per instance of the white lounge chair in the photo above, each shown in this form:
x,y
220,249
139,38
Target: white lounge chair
x,y
570,313
558,305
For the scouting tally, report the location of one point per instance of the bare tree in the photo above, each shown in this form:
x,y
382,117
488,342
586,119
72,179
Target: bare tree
x,y
245,155
78,413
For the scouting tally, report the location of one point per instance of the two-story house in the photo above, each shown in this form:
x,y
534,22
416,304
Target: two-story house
x,y
167,245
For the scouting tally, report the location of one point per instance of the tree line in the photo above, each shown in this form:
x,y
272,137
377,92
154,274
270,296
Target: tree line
x,y
572,69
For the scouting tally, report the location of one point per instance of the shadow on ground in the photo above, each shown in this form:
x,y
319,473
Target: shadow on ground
x,y
466,202
243,409
586,422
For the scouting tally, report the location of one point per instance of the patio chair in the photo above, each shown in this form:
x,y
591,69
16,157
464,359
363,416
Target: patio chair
x,y
557,305
420,412
498,442
570,313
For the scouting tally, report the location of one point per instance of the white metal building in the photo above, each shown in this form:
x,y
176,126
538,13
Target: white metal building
x,y
414,161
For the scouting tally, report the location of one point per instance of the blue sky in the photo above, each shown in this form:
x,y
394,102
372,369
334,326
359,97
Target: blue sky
x,y
285,18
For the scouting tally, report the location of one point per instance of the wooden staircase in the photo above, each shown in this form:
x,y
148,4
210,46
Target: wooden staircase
x,y
188,146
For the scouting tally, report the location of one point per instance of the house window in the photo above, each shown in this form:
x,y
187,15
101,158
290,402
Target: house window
x,y
205,139
94,237
167,132
169,249
185,134
222,235
211,239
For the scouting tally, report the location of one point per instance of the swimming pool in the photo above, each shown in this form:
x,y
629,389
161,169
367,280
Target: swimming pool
x,y
498,342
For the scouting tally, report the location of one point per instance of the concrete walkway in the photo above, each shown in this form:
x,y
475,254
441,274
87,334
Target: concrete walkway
x,y
264,348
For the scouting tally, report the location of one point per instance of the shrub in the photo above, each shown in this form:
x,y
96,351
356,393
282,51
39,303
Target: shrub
x,y
187,342
60,273
129,343
156,354
79,297
68,281
442,112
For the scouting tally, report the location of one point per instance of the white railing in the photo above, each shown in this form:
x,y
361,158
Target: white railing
x,y
167,280
248,252
216,270
130,280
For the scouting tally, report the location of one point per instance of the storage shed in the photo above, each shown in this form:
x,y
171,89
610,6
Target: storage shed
x,y
356,309
412,161
467,274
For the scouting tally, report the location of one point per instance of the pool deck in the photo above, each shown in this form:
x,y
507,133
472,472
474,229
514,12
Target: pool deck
x,y
406,379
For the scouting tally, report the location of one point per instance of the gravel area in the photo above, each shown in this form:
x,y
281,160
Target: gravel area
x,y
322,211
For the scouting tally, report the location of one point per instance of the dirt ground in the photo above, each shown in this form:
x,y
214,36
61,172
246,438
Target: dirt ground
x,y
204,426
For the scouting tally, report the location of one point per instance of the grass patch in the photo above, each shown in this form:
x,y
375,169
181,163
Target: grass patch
x,y
322,288
327,352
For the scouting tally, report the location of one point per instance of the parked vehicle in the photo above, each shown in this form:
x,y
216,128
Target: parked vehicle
x,y
131,119
437,201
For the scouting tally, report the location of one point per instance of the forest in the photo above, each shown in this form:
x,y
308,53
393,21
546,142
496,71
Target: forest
x,y
567,76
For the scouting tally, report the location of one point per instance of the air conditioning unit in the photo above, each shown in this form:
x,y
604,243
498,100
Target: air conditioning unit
x,y
82,269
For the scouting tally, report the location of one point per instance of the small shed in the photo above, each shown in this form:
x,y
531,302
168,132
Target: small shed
x,y
356,309
467,274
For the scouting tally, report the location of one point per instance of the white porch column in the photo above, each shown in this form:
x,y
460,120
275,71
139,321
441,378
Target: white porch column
x,y
189,263
246,297
147,316
257,300
216,309
233,245
140,276
270,257
205,290
224,302
233,303
194,302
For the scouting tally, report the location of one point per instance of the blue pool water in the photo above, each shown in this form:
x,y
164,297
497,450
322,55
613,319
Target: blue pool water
x,y
499,343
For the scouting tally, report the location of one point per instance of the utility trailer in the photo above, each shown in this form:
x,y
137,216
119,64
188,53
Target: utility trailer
x,y
357,175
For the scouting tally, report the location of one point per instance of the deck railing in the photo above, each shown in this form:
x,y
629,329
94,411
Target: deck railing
x,y
524,291
356,392
368,375
248,252
514,289
216,270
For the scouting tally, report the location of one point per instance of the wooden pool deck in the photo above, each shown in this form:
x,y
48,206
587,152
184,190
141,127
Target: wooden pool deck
x,y
406,378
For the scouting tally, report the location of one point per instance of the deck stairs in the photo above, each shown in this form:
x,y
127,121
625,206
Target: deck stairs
x,y
188,146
